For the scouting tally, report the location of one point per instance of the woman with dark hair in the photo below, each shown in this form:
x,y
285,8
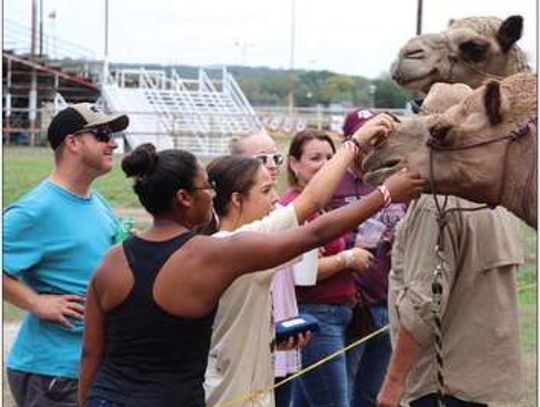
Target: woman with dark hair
x,y
240,358
332,298
151,303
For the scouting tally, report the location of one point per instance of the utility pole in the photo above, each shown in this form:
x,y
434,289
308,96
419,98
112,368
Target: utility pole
x,y
291,63
106,50
34,29
419,17
32,94
40,28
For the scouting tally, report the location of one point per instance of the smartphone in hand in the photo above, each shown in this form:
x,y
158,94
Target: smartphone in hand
x,y
296,325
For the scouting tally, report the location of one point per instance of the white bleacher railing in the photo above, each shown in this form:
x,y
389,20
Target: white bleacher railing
x,y
195,114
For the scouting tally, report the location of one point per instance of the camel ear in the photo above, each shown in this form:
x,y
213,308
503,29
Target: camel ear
x,y
493,103
509,32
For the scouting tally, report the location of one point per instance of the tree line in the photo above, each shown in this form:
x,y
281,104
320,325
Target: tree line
x,y
270,87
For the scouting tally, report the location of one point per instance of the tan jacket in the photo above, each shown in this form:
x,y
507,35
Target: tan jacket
x,y
479,311
240,359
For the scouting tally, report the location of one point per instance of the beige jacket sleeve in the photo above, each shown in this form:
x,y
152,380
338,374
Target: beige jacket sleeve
x,y
413,264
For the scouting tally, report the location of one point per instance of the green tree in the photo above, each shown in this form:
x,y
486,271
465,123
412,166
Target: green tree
x,y
389,94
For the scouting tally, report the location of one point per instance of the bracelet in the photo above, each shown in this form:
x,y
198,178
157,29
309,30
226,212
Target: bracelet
x,y
350,145
385,194
361,149
349,257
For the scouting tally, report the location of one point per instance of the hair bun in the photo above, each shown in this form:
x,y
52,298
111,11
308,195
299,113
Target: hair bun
x,y
141,161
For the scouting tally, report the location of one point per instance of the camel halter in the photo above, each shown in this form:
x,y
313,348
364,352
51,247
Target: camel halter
x,y
442,220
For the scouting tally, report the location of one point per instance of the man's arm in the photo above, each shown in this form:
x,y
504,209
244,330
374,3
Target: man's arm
x,y
403,359
318,192
45,306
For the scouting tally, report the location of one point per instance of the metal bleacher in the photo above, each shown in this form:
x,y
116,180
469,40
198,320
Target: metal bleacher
x,y
196,114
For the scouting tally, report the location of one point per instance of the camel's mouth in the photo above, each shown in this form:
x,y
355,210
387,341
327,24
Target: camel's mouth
x,y
377,172
418,84
406,81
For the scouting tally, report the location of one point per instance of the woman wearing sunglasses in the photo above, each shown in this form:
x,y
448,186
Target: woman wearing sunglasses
x,y
151,303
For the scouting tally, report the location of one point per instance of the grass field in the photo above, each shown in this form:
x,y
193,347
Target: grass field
x,y
25,167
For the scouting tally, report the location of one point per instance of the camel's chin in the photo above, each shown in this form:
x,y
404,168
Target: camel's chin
x,y
418,80
377,177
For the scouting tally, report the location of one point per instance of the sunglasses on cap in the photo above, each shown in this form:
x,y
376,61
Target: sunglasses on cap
x,y
101,134
277,158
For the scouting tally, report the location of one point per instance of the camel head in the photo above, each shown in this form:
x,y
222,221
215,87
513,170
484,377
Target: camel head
x,y
484,114
468,51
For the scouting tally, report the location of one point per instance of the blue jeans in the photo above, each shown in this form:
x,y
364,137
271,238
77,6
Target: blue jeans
x,y
325,386
367,363
283,394
100,402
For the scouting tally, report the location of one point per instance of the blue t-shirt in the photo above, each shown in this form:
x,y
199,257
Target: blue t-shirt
x,y
53,242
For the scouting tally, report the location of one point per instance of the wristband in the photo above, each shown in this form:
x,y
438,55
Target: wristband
x,y
385,194
361,149
350,145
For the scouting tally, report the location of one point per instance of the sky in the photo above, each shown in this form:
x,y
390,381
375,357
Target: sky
x,y
345,36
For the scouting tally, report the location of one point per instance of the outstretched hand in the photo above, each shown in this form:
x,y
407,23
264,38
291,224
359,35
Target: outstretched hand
x,y
374,131
405,185
58,308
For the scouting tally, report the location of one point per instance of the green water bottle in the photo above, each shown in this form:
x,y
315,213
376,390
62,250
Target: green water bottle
x,y
124,229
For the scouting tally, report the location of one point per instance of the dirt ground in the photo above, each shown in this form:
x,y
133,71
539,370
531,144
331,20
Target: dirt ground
x,y
529,366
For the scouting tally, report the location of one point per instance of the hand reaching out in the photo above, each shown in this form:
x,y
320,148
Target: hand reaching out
x,y
373,131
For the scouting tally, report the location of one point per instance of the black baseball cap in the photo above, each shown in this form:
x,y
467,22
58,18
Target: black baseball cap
x,y
82,116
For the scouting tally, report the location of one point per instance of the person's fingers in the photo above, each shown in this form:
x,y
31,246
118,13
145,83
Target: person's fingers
x,y
73,313
76,306
73,297
65,322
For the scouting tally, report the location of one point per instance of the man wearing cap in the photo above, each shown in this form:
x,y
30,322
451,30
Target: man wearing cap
x,y
366,364
54,237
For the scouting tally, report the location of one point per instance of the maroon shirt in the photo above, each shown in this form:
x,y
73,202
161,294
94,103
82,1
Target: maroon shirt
x,y
337,289
379,231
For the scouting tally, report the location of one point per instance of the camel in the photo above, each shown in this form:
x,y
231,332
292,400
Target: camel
x,y
468,51
493,172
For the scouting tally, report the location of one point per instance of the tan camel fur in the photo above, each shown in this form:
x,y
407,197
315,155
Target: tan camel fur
x,y
469,51
497,173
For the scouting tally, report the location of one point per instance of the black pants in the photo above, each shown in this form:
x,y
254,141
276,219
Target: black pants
x,y
34,390
431,401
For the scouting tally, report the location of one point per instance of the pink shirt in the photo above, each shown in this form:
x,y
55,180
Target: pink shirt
x,y
284,306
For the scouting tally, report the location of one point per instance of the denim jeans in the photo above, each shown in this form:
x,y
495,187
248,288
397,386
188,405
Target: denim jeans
x,y
367,363
100,402
283,394
325,386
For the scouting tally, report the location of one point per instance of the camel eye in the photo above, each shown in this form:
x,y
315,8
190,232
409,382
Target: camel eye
x,y
439,133
473,51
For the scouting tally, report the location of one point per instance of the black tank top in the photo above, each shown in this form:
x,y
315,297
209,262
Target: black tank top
x,y
152,358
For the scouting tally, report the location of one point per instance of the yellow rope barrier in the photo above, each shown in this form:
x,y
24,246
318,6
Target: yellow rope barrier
x,y
254,395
